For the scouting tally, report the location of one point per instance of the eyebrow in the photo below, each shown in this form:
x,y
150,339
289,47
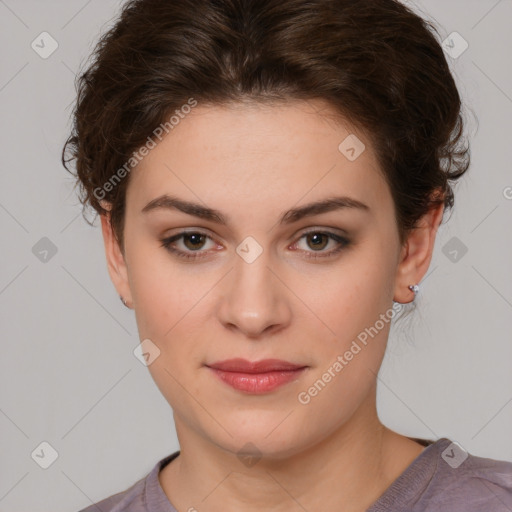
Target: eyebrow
x,y
167,202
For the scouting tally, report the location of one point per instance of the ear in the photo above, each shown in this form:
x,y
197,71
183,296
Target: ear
x,y
416,254
115,260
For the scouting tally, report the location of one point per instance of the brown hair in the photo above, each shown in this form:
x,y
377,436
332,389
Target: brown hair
x,y
377,63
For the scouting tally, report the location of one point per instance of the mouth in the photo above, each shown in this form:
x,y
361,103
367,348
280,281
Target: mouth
x,y
256,377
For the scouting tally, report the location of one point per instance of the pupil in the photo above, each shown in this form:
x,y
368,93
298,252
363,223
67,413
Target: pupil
x,y
317,237
195,237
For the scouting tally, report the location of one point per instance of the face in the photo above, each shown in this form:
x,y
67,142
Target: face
x,y
264,283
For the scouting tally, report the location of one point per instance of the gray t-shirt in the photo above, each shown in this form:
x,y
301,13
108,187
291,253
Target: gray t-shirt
x,y
442,477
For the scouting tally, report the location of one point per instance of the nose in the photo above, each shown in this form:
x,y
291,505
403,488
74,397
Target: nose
x,y
254,299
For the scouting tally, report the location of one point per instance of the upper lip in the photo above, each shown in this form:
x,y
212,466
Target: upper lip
x,y
244,366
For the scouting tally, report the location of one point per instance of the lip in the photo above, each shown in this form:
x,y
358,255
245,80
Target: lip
x,y
263,366
256,377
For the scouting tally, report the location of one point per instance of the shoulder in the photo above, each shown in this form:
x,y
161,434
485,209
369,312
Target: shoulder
x,y
145,495
132,499
463,481
447,477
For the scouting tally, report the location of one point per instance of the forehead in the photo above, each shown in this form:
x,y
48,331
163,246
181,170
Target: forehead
x,y
294,152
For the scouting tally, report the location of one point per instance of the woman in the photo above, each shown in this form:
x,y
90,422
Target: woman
x,y
270,178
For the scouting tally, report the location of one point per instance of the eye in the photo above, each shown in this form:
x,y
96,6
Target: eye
x,y
320,239
193,242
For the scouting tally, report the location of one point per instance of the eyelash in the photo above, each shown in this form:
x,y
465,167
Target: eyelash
x,y
167,244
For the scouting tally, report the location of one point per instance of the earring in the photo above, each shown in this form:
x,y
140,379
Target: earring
x,y
414,288
123,301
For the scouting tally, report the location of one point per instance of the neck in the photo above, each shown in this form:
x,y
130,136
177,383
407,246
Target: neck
x,y
347,470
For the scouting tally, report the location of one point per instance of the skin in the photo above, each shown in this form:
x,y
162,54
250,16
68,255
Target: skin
x,y
253,163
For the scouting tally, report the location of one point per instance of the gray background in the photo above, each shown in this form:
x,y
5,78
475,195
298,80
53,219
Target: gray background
x,y
68,373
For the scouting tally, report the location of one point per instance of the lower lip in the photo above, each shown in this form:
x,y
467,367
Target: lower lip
x,y
258,382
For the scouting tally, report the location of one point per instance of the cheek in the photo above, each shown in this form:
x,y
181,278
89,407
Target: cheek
x,y
348,296
355,303
170,312
161,289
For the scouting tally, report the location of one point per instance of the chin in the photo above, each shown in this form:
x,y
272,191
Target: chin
x,y
262,440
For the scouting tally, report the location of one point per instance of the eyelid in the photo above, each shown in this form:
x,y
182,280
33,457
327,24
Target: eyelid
x,y
315,229
325,229
341,239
